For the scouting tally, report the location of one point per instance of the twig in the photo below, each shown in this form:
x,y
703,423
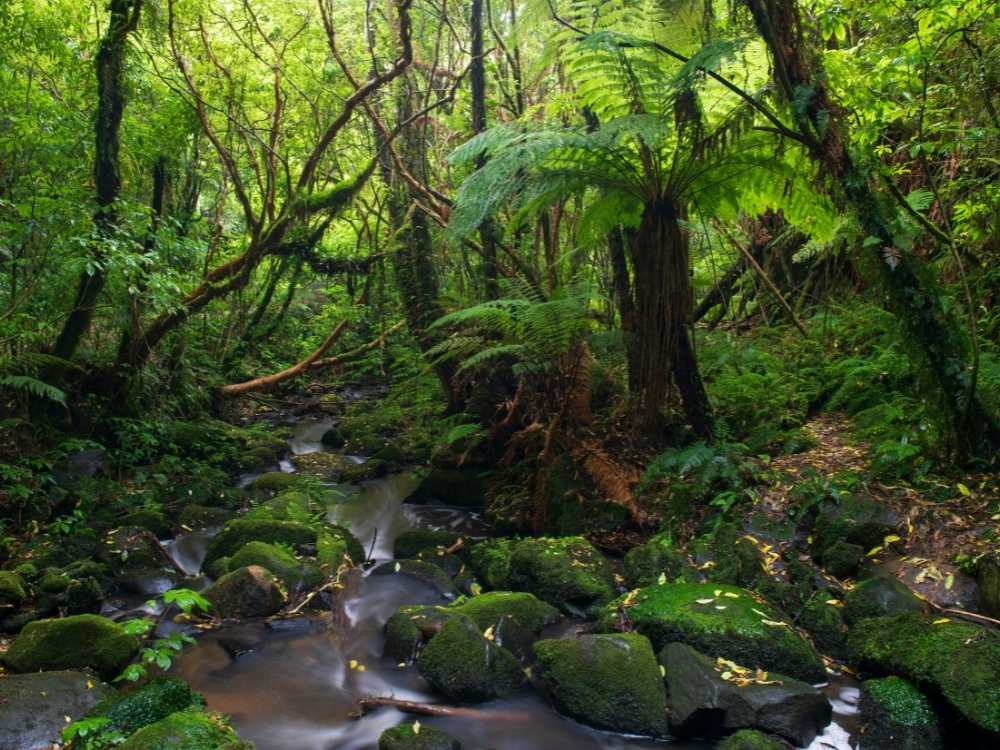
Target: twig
x,y
367,705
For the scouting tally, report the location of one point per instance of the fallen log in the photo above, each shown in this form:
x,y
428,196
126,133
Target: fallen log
x,y
369,704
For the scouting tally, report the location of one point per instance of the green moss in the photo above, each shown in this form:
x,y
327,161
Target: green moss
x,y
841,559
646,563
27,571
736,559
825,624
957,660
567,572
690,613
149,519
148,704
273,482
491,561
853,518
295,574
11,589
463,665
241,531
904,703
895,714
411,543
405,737
878,597
373,468
202,516
333,543
607,681
186,730
72,643
488,609
751,739
246,592
54,581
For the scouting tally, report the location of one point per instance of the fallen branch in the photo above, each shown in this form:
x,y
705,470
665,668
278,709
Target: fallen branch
x,y
269,381
367,705
330,361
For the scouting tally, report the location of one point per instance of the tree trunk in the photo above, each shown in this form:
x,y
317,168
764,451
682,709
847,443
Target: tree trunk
x,y
110,66
911,291
477,83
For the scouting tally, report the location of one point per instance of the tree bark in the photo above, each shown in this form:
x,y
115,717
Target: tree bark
x,y
477,83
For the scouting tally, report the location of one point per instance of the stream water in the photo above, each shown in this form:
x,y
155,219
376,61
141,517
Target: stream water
x,y
292,684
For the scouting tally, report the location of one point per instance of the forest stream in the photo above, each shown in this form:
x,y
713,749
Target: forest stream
x,y
289,683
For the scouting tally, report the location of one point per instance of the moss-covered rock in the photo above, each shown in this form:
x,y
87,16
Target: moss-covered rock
x,y
241,531
645,564
465,666
335,543
410,627
895,714
412,543
186,730
465,487
425,572
493,607
11,589
853,518
842,559
825,624
751,739
77,642
273,483
203,516
407,737
728,556
988,579
295,574
878,597
145,705
717,620
956,660
491,561
246,592
333,438
373,468
567,572
149,519
606,681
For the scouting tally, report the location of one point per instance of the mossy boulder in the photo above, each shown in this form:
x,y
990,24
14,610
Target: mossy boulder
x,y
295,574
465,666
409,737
895,714
462,487
333,438
273,483
186,730
494,607
412,543
12,592
77,642
567,572
203,516
491,561
410,627
751,739
728,556
842,559
373,468
717,620
957,660
645,564
856,519
825,624
150,703
335,543
707,697
246,592
241,531
878,597
606,681
425,572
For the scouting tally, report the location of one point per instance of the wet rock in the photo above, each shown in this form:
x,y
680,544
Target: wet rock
x,y
84,596
606,681
957,660
203,516
877,597
751,739
77,642
241,531
825,624
190,730
156,700
462,487
853,518
334,544
464,666
425,572
295,574
842,559
373,468
412,543
333,438
645,564
405,737
491,561
323,465
717,620
701,702
151,520
33,707
410,627
895,714
988,578
131,548
246,592
567,572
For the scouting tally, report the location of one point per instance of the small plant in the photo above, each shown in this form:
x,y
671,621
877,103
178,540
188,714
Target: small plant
x,y
161,651
91,734
70,523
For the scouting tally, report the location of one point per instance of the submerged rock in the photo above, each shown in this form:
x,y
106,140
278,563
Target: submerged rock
x,y
465,666
77,642
606,681
147,704
186,730
956,660
702,701
717,620
567,572
895,714
246,592
409,737
34,707
878,597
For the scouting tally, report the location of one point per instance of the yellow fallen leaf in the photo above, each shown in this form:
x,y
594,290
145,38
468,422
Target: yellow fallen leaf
x,y
704,601
662,579
941,621
476,589
90,685
397,567
402,665
718,592
488,635
663,671
890,539
963,489
731,595
720,606
833,602
416,727
353,664
874,551
949,581
774,623
727,675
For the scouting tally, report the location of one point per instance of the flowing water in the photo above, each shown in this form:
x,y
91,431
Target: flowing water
x,y
293,684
